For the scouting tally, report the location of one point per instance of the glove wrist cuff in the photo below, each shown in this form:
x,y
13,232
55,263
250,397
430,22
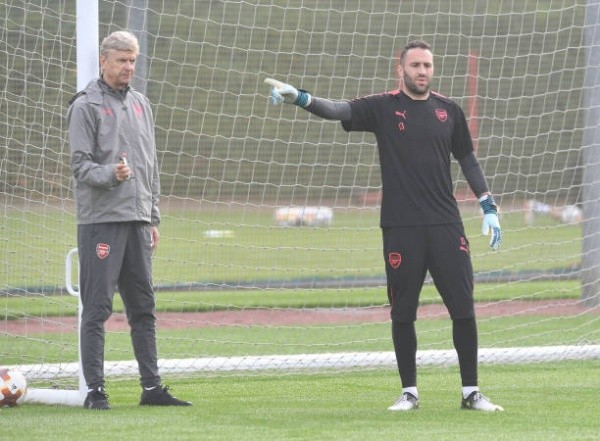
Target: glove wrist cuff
x,y
488,204
303,99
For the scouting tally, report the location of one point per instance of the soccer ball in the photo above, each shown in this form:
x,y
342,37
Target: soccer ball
x,y
13,387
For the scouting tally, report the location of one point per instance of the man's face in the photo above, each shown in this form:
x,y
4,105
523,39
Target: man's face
x,y
416,72
118,68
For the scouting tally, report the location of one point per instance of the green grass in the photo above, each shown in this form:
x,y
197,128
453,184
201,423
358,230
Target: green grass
x,y
200,301
265,340
259,252
351,248
294,339
542,402
348,405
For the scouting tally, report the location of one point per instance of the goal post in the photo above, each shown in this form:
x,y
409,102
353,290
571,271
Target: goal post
x,y
87,41
590,278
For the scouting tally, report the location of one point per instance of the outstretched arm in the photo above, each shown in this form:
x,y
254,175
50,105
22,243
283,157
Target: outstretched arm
x,y
328,109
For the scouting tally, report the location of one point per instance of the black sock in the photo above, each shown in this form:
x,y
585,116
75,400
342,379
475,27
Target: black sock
x,y
464,333
404,337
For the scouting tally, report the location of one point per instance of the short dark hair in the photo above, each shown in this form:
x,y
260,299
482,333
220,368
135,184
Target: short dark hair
x,y
414,44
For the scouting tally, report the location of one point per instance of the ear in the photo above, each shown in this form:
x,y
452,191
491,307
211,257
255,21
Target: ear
x,y
400,75
399,70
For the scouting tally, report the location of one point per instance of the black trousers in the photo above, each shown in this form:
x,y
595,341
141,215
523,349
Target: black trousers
x,y
409,252
443,250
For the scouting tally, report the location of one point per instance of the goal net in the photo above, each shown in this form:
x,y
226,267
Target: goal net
x,y
270,256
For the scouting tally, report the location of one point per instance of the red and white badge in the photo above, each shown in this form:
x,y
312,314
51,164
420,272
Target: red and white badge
x,y
441,114
395,259
102,250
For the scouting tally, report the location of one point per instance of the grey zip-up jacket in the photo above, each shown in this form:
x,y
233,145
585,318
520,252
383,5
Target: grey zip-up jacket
x,y
104,125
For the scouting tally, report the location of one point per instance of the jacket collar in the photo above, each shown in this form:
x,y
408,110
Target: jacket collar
x,y
116,92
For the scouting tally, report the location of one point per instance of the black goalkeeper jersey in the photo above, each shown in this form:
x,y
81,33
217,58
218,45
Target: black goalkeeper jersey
x,y
415,139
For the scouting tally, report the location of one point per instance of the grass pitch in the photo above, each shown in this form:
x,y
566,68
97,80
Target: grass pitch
x,y
542,402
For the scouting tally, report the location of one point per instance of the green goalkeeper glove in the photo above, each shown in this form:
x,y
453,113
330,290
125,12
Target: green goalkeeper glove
x,y
285,93
490,220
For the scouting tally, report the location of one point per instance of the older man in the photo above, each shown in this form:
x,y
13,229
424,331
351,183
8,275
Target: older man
x,y
113,157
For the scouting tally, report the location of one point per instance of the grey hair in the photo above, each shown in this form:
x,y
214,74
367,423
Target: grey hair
x,y
120,41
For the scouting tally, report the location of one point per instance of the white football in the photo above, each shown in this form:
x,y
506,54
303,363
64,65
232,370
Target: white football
x,y
13,387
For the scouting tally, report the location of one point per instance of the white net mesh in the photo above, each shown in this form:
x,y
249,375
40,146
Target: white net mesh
x,y
230,163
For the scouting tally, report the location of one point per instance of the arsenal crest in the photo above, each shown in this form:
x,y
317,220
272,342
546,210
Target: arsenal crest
x,y
102,250
395,259
441,114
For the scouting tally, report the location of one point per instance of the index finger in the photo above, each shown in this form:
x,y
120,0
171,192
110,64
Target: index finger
x,y
273,82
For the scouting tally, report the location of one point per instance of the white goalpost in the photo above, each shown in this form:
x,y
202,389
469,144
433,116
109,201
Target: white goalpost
x,y
87,68
270,256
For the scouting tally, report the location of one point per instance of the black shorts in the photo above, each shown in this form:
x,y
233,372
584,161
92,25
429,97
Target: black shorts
x,y
409,252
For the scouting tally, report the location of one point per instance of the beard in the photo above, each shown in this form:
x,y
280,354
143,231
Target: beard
x,y
413,88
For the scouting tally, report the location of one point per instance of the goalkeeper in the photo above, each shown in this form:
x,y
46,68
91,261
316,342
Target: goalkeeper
x,y
417,131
